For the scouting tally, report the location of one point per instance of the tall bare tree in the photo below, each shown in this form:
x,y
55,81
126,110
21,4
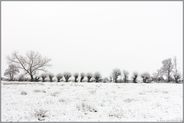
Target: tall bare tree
x,y
31,63
167,68
11,71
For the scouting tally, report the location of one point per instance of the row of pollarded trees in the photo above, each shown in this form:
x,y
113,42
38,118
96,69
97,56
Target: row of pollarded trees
x,y
168,72
66,76
146,77
33,62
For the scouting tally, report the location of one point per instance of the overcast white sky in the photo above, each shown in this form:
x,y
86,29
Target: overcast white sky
x,y
94,36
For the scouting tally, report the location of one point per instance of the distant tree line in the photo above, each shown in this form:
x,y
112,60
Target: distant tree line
x,y
32,63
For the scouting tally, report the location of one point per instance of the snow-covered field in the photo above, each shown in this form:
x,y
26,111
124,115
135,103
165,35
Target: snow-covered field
x,y
26,101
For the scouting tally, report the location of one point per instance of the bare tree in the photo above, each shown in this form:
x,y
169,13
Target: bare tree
x,y
97,76
82,75
115,74
105,80
67,76
175,65
51,76
11,71
176,74
145,76
37,78
134,77
59,76
43,76
167,68
158,75
177,77
89,76
30,63
76,75
125,73
182,78
21,77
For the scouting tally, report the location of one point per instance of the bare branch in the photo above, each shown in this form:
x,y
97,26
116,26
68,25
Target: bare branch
x,y
31,63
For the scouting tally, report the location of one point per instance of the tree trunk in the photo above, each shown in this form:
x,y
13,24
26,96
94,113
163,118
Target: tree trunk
x,y
176,79
89,79
168,79
11,77
32,79
168,76
81,79
134,80
125,79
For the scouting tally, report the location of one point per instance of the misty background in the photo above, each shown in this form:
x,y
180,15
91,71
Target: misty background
x,y
94,35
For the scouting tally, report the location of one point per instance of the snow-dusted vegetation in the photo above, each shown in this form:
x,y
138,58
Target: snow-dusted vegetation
x,y
31,93
92,61
46,101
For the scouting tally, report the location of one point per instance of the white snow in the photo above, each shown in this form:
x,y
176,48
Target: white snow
x,y
28,101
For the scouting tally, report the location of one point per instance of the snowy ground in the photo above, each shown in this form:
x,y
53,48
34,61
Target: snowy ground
x,y
26,101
